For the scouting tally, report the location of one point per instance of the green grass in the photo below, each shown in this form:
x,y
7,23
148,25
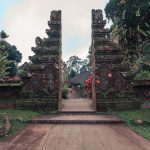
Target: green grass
x,y
18,119
130,116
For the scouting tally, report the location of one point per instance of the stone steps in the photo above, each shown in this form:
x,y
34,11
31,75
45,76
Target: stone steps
x,y
77,112
77,119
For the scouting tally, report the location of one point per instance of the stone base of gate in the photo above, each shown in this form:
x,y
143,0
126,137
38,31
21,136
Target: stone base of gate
x,y
117,106
39,106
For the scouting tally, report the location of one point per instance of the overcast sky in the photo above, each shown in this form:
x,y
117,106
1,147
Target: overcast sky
x,y
23,20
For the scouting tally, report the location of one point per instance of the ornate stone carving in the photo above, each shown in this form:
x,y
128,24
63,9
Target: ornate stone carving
x,y
38,41
44,82
97,16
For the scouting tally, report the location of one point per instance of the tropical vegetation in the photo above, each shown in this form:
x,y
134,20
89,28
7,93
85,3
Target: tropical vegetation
x,y
131,26
13,55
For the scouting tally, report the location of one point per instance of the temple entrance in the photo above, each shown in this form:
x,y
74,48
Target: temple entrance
x,y
109,89
76,101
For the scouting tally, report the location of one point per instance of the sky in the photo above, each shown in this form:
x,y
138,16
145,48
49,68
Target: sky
x,y
24,20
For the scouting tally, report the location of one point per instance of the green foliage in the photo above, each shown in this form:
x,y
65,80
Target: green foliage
x,y
85,65
131,17
14,56
18,118
72,73
3,35
130,24
143,75
131,116
65,91
3,63
76,65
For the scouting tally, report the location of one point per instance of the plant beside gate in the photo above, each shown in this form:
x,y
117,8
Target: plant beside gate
x,y
12,120
131,118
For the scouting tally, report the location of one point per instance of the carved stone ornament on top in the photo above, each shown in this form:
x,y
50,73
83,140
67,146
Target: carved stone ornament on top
x,y
55,16
98,16
38,41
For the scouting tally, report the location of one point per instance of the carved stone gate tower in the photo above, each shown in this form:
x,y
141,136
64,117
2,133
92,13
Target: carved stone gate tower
x,y
111,91
44,86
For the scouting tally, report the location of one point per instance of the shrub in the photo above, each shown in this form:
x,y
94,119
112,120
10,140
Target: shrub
x,y
143,75
64,91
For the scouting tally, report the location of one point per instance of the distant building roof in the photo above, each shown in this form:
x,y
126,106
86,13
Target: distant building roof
x,y
80,78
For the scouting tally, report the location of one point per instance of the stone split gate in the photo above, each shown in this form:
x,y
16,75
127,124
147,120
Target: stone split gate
x,y
110,90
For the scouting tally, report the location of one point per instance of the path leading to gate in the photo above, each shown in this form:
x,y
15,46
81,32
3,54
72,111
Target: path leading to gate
x,y
77,105
73,129
72,94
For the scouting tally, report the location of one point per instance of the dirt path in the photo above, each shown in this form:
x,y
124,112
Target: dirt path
x,y
76,137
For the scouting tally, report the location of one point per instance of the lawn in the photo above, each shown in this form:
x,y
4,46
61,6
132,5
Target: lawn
x,y
18,119
131,116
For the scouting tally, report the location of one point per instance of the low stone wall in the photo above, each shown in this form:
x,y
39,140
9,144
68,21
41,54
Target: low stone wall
x,y
142,88
7,105
9,93
117,106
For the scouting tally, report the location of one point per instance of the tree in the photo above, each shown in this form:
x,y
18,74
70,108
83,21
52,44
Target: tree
x,y
84,65
74,63
14,56
72,73
3,35
131,25
3,63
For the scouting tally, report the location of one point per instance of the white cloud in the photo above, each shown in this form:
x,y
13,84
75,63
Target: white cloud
x,y
25,21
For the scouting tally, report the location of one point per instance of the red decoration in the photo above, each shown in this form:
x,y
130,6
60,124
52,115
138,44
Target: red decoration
x,y
98,81
109,75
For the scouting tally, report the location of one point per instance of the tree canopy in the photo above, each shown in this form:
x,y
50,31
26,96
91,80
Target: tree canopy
x,y
13,55
3,63
131,24
76,65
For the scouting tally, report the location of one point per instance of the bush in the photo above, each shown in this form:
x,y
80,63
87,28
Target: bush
x,y
18,119
65,91
143,75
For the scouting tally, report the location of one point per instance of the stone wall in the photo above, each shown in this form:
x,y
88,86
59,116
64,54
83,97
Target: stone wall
x,y
9,93
142,88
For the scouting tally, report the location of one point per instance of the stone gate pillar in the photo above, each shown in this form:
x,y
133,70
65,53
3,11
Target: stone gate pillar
x,y
45,68
111,91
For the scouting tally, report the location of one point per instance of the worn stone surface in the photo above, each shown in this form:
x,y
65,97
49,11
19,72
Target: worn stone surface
x,y
77,119
82,105
76,137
